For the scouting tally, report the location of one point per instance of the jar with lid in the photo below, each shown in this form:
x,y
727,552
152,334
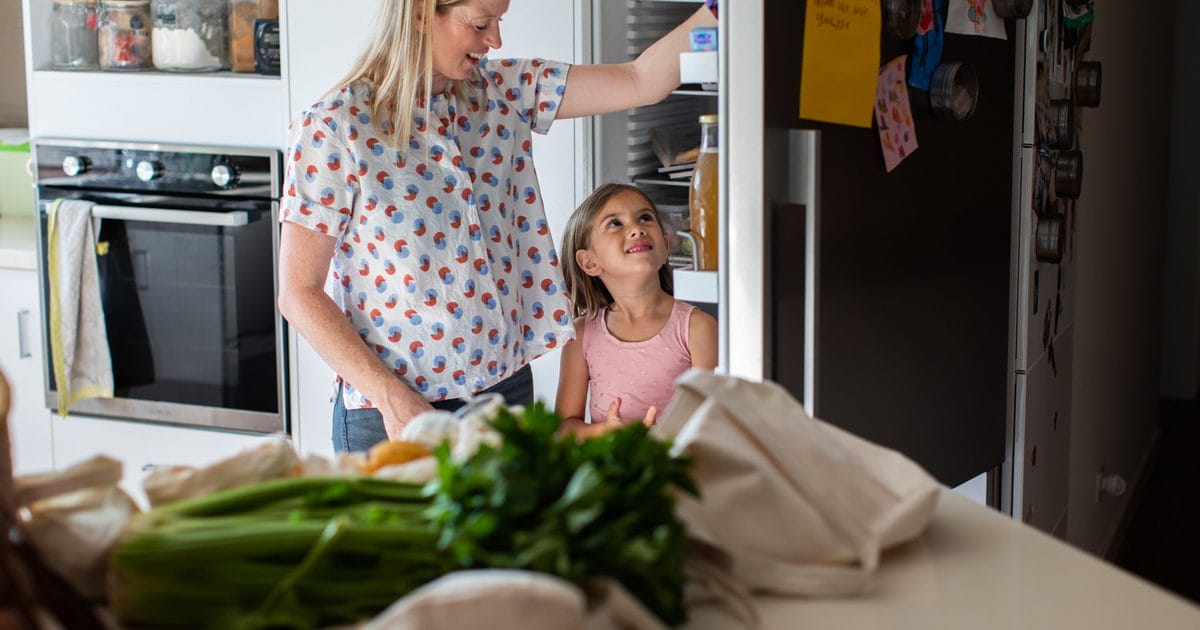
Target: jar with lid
x,y
703,197
242,14
190,35
73,35
124,34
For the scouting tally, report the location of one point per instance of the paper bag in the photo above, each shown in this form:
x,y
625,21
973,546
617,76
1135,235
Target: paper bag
x,y
799,506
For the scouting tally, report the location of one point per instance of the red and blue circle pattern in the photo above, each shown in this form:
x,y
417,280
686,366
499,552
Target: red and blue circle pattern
x,y
443,263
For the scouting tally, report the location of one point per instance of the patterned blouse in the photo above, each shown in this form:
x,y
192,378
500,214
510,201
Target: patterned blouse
x,y
444,262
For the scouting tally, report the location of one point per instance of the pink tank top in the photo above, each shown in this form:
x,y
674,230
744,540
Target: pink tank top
x,y
640,373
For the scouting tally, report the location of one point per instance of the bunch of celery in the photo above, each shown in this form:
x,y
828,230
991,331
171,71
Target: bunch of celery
x,y
289,553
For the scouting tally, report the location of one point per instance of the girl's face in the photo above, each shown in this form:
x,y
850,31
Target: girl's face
x,y
462,34
626,238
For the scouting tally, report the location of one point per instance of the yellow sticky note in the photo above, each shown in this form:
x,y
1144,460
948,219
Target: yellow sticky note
x,y
841,61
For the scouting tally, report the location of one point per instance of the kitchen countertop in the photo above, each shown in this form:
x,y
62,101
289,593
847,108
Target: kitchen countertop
x,y
975,568
18,243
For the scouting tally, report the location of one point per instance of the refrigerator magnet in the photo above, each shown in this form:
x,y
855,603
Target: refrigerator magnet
x,y
974,17
893,115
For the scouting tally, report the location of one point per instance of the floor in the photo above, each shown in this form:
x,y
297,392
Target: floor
x,y
1162,543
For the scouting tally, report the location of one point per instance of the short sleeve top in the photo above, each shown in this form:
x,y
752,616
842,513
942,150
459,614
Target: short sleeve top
x,y
444,263
641,373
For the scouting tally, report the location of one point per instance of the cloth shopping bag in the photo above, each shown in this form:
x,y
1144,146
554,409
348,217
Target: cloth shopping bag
x,y
798,506
509,599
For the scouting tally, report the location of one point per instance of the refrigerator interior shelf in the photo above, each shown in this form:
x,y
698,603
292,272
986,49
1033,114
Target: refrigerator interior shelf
x,y
696,286
694,89
662,180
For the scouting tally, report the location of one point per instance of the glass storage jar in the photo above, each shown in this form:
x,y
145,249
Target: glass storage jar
x,y
124,34
190,35
73,35
242,14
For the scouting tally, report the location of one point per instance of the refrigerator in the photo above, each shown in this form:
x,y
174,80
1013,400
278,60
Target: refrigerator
x,y
901,279
928,309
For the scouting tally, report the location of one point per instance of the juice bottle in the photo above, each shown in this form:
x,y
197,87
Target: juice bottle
x,y
702,198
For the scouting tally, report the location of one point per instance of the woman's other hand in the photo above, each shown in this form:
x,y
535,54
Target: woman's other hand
x,y
401,404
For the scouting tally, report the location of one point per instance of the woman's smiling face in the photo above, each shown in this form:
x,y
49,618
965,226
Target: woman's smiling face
x,y
462,34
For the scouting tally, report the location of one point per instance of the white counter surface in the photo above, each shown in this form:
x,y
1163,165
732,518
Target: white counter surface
x,y
18,243
975,568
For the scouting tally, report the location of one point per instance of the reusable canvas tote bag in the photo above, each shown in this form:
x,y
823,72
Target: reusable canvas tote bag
x,y
798,506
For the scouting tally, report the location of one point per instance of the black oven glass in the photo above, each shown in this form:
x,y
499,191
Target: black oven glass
x,y
189,312
185,259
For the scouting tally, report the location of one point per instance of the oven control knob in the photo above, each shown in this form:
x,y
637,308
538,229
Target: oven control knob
x,y
149,170
224,176
75,165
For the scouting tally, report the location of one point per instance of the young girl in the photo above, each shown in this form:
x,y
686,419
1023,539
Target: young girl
x,y
632,338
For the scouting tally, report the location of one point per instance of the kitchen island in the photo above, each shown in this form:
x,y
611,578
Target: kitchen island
x,y
976,568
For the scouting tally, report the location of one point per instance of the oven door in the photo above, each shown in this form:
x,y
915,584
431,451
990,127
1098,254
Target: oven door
x,y
188,296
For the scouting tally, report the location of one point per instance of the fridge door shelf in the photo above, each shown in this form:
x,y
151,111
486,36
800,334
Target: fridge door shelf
x,y
696,286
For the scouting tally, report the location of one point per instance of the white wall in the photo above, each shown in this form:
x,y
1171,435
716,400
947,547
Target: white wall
x,y
1121,223
1181,273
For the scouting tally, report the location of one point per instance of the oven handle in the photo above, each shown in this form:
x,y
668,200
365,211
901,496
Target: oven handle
x,y
163,215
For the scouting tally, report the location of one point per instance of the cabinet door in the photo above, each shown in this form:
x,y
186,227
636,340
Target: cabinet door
x,y
312,403
22,360
141,446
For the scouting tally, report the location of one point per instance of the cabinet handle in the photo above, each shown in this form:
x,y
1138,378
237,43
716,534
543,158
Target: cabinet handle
x,y
22,339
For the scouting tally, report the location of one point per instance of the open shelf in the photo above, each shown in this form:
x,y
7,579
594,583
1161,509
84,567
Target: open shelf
x,y
160,77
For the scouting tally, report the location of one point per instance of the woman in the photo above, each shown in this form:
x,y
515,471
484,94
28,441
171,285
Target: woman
x,y
415,256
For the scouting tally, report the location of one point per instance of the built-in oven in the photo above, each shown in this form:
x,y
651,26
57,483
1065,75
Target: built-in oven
x,y
185,255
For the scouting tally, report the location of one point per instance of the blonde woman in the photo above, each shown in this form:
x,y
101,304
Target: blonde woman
x,y
415,256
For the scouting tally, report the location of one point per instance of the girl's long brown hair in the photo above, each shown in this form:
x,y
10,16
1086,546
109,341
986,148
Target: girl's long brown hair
x,y
587,293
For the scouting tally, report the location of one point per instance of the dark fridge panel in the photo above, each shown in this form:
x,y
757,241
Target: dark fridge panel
x,y
913,288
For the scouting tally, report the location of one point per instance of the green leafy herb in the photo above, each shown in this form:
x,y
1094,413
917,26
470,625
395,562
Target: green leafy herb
x,y
544,502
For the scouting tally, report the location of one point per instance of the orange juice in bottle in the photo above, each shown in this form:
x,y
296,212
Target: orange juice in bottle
x,y
702,198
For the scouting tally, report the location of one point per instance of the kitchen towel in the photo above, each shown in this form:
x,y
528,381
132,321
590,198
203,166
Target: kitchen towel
x,y
78,339
797,506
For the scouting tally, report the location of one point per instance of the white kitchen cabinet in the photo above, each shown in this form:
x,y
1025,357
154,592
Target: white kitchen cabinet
x,y
211,109
1044,430
312,399
22,361
142,446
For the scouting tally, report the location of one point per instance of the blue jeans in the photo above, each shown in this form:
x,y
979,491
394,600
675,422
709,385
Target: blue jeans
x,y
360,429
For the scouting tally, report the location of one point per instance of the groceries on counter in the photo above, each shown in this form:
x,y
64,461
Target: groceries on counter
x,y
171,35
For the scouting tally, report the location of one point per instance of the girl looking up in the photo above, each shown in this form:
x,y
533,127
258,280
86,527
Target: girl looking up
x,y
632,338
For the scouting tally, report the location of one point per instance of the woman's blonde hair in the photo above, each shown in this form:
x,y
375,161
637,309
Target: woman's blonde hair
x,y
398,63
587,293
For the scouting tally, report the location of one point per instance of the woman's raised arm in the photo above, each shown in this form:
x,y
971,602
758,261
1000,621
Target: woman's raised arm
x,y
603,88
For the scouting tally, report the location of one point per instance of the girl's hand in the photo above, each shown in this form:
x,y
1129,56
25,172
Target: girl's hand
x,y
614,416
